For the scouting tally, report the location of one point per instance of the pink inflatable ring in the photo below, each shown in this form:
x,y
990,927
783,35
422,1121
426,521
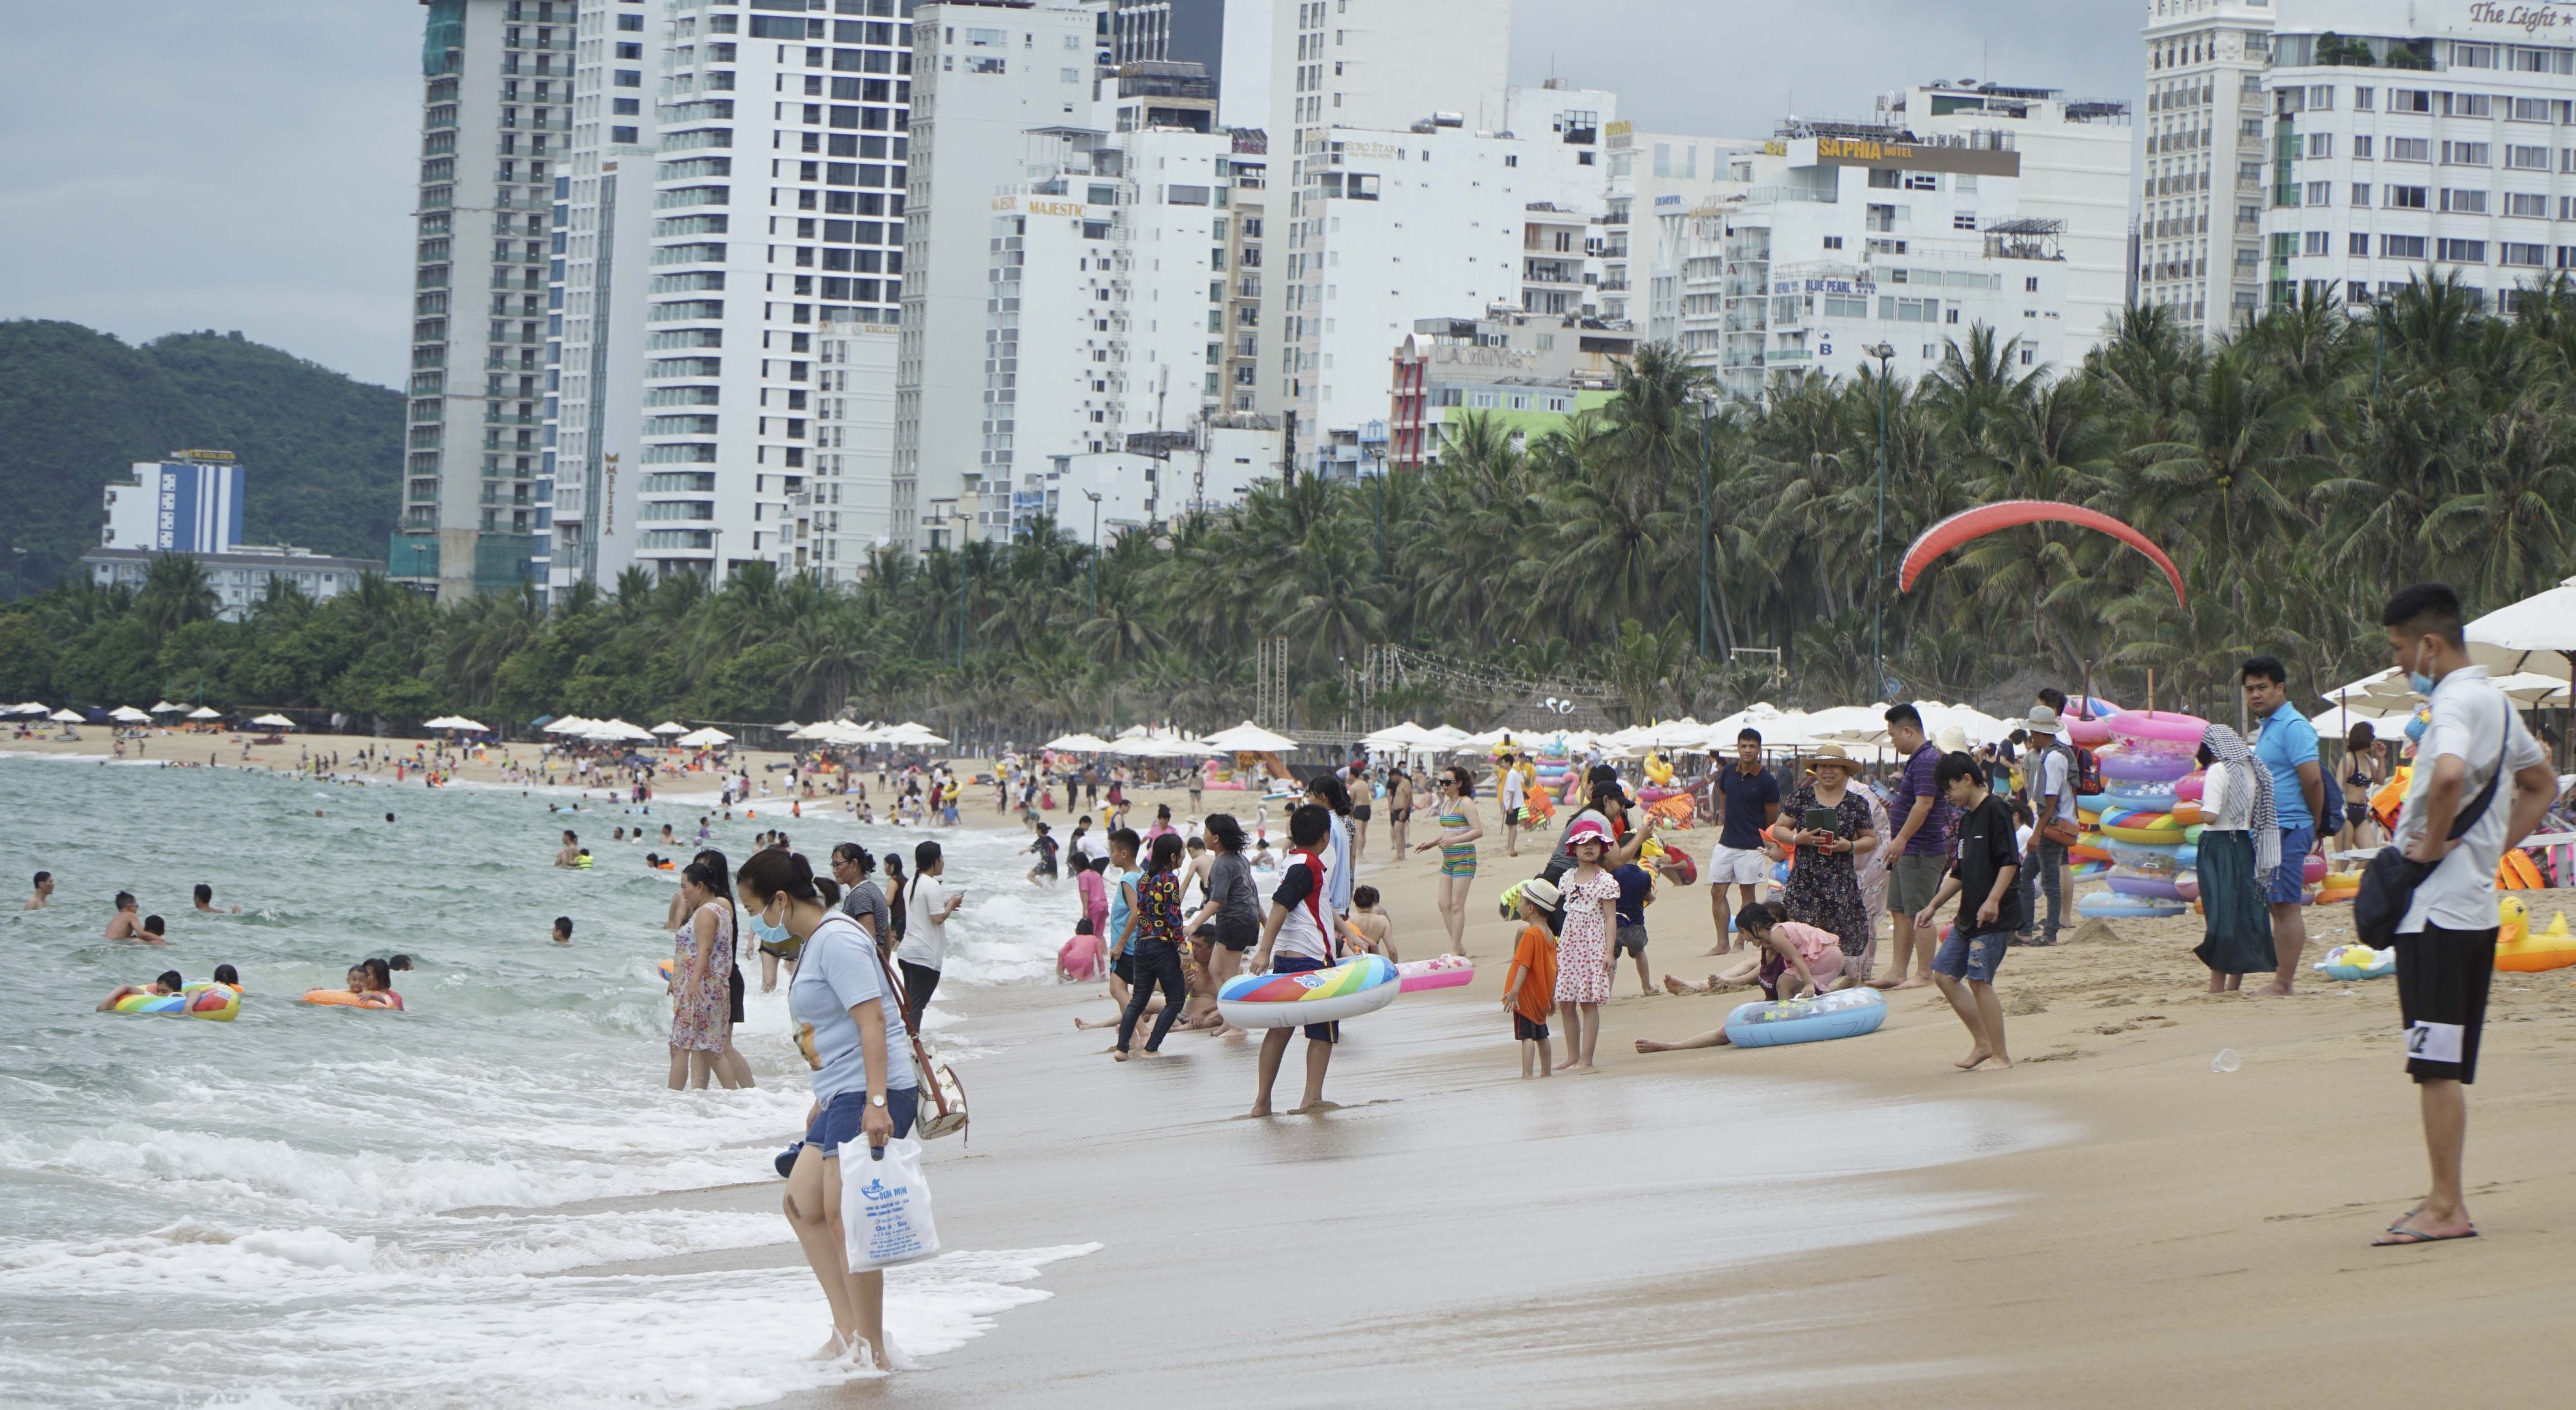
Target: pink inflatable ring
x,y
2159,724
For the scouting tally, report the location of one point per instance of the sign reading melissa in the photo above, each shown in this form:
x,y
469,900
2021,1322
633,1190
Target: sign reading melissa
x,y
1914,156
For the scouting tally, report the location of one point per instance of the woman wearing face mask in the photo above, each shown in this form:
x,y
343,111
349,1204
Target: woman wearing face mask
x,y
865,1088
701,981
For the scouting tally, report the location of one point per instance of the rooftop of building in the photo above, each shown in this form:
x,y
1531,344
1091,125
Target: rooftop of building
x,y
243,555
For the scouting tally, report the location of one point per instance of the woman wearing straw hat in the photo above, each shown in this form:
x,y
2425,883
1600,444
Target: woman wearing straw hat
x,y
1824,885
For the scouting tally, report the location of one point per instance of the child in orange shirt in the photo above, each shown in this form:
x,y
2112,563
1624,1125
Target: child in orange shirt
x,y
1529,987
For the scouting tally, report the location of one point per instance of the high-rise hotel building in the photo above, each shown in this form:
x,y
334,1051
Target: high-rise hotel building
x,y
2424,140
672,195
2205,184
496,111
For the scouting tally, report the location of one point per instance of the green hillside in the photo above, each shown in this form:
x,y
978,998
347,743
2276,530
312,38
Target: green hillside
x,y
77,407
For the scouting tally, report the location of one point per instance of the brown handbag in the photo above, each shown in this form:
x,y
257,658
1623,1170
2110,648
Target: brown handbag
x,y
943,1110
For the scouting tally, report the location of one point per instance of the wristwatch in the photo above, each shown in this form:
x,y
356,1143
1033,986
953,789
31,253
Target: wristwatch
x,y
877,1099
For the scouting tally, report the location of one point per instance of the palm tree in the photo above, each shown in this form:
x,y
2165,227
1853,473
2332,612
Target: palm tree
x,y
176,591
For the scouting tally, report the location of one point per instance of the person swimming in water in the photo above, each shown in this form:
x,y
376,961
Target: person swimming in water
x,y
43,895
170,982
206,901
570,853
127,923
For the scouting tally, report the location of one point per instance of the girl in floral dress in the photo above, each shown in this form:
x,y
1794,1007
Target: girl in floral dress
x,y
701,980
1591,899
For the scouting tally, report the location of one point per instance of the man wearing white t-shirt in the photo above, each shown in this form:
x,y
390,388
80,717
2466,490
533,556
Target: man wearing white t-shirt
x,y
2446,941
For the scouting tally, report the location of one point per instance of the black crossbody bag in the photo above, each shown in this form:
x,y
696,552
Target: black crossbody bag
x,y
2388,883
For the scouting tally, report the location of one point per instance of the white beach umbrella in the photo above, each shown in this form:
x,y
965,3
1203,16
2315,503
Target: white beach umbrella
x,y
670,727
706,738
568,724
460,722
205,713
911,732
1407,735
274,722
127,714
1248,738
2530,689
1078,742
166,708
67,717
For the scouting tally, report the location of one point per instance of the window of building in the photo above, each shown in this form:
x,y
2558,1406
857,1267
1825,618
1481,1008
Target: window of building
x,y
2467,154
2320,193
2473,56
2464,202
2526,203
1833,242
2405,198
2519,255
2461,251
2361,193
2357,244
2313,243
1963,220
2361,99
2320,144
2361,147
2410,100
2401,247
2526,158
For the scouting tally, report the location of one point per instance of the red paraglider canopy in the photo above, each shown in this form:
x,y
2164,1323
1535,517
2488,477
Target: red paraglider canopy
x,y
1975,523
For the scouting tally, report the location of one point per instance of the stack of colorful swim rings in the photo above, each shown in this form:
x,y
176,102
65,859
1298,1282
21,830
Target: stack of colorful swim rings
x,y
1555,767
2146,819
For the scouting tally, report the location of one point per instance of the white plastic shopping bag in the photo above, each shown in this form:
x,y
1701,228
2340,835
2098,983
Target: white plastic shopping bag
x,y
885,1206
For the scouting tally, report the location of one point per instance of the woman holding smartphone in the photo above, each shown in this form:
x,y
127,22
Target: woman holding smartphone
x,y
1827,826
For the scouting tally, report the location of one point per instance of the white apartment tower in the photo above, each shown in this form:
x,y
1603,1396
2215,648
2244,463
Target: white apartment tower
x,y
2076,164
779,147
2419,141
602,269
2200,224
1380,66
1839,245
1655,180
850,499
986,73
496,110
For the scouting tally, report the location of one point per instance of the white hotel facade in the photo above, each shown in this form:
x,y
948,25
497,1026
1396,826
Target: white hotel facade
x,y
2200,224
2410,139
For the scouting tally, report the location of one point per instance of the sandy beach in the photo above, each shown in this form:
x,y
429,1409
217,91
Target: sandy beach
x,y
2109,1222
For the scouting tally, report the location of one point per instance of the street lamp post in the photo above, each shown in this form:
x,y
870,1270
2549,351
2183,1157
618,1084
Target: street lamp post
x,y
1094,497
1707,547
1886,354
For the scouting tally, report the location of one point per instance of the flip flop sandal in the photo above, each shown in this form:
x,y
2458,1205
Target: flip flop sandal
x,y
2408,1238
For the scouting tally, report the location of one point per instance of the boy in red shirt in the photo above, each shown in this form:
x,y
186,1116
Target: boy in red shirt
x,y
1529,987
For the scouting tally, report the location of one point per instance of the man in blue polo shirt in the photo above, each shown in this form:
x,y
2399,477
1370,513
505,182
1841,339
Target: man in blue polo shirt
x,y
2286,744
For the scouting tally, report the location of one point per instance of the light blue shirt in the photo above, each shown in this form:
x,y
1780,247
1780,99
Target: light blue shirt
x,y
1118,884
837,969
2286,741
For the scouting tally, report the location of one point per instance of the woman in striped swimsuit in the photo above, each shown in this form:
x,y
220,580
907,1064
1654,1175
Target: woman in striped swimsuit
x,y
1460,826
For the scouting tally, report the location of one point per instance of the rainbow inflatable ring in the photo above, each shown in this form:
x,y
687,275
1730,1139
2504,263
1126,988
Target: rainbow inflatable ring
x,y
1346,990
220,1002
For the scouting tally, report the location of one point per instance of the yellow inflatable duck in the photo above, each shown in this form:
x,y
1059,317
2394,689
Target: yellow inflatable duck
x,y
2513,921
1659,772
2553,948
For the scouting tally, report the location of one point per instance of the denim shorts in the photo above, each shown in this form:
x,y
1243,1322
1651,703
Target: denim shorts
x,y
2289,884
1972,957
838,1123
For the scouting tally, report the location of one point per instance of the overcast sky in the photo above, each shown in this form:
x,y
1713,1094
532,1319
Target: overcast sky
x,y
250,164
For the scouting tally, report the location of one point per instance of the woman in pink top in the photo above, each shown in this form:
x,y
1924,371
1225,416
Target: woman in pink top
x,y
1817,955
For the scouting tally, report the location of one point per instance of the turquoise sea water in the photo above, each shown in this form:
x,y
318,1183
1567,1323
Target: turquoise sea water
x,y
267,1211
